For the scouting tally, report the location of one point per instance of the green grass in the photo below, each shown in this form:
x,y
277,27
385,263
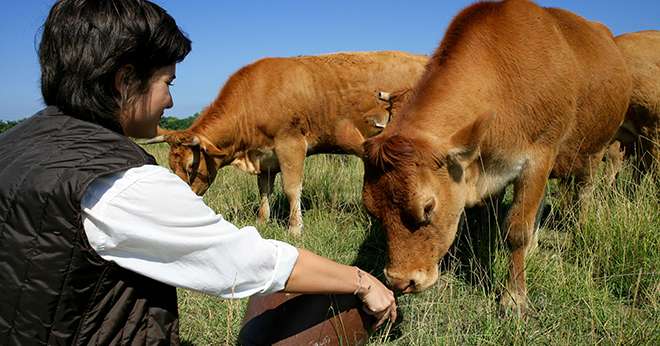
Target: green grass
x,y
595,283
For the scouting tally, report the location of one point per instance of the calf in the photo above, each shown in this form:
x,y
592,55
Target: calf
x,y
273,113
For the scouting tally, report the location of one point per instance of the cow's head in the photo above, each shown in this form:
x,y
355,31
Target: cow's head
x,y
192,157
387,105
416,186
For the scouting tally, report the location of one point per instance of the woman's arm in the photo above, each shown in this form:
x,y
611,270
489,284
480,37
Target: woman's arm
x,y
315,274
149,221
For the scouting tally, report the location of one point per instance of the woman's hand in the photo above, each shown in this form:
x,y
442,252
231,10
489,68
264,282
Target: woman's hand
x,y
378,300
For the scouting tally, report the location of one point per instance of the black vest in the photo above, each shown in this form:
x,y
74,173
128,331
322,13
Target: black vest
x,y
54,289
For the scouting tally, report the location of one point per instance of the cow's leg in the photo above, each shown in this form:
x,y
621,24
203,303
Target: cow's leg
x,y
291,152
266,181
585,183
538,219
529,190
649,153
613,162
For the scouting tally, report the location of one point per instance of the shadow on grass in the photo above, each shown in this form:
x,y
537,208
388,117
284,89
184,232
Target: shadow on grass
x,y
279,207
480,236
472,255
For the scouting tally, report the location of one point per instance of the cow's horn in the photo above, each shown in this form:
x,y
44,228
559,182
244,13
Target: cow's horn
x,y
157,139
384,96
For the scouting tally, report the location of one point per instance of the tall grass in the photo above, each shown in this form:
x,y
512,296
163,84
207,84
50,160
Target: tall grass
x,y
597,282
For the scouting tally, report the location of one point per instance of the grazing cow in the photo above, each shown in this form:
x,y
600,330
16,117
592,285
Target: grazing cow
x,y
274,112
516,94
640,133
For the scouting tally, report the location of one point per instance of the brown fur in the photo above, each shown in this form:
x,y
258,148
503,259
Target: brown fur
x,y
515,93
274,112
640,133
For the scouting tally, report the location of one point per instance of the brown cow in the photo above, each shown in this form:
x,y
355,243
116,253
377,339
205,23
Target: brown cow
x,y
515,93
640,133
274,112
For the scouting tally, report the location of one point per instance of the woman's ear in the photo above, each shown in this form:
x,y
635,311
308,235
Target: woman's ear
x,y
122,77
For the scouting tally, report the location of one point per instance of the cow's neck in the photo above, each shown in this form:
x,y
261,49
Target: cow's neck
x,y
224,131
455,102
485,177
451,102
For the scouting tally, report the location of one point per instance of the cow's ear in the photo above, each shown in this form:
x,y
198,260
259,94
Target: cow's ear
x,y
465,142
464,145
384,96
400,95
393,96
209,148
399,99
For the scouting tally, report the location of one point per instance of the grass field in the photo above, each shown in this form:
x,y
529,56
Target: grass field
x,y
598,283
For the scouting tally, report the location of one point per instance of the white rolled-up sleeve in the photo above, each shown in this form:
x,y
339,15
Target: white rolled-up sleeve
x,y
147,220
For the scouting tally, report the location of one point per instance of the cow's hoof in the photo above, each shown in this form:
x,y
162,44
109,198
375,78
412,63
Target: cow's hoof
x,y
261,220
295,230
263,215
534,242
513,305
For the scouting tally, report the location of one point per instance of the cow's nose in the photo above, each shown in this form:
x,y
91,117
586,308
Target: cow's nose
x,y
411,281
410,288
400,282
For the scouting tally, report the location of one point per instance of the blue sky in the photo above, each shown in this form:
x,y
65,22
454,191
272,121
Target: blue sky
x,y
229,34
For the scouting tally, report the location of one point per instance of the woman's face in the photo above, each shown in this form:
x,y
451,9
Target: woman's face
x,y
142,118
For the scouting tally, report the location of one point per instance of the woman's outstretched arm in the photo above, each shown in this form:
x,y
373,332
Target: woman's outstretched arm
x,y
315,274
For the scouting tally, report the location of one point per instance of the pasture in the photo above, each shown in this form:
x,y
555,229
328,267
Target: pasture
x,y
598,283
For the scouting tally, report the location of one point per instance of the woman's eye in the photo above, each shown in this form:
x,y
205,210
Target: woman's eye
x,y
170,83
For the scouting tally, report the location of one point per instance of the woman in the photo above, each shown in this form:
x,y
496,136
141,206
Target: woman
x,y
94,234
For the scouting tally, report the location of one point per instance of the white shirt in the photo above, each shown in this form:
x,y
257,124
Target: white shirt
x,y
148,220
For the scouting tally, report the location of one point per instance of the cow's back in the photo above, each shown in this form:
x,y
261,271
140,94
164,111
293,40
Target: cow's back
x,y
345,85
603,91
641,51
640,133
349,71
305,95
550,77
334,85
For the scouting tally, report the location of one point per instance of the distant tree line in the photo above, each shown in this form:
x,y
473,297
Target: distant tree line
x,y
170,123
6,125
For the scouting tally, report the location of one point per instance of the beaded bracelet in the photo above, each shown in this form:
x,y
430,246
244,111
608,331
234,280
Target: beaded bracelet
x,y
359,281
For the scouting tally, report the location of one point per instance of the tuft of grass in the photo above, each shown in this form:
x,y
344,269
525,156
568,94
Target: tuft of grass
x,y
592,283
620,240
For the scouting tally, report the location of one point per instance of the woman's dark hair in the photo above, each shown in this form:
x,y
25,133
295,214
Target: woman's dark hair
x,y
86,42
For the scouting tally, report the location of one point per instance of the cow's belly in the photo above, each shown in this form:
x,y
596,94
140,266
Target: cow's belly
x,y
256,161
